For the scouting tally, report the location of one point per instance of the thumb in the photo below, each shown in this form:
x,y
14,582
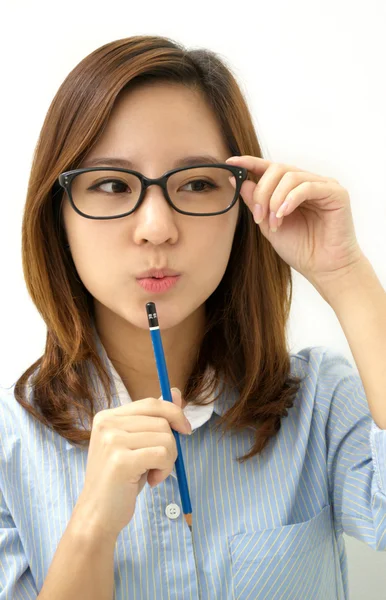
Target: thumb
x,y
176,396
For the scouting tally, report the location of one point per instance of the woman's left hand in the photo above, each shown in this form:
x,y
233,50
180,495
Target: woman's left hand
x,y
316,235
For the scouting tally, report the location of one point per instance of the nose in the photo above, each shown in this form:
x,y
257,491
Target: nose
x,y
155,218
154,191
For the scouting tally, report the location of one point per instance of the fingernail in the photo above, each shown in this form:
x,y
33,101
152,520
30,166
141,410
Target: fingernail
x,y
272,222
258,213
281,212
189,426
176,390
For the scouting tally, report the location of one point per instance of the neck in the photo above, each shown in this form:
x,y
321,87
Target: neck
x,y
131,352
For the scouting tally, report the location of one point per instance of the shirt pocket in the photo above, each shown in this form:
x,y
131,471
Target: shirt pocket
x,y
294,561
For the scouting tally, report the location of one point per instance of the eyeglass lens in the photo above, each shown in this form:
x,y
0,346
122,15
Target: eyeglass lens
x,y
106,193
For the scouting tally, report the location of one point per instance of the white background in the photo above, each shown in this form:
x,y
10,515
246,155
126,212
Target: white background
x,y
313,74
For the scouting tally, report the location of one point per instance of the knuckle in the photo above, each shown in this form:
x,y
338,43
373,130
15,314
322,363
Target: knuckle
x,y
291,176
108,438
167,447
170,409
278,168
116,459
176,410
309,185
154,402
162,424
171,446
99,423
161,452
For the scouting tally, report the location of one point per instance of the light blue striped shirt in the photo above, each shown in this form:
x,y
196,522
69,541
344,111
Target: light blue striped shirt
x,y
268,528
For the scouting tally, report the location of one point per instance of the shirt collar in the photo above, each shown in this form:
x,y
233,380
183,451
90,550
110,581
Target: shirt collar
x,y
197,415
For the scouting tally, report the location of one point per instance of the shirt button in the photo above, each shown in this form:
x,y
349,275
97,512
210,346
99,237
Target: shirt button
x,y
172,511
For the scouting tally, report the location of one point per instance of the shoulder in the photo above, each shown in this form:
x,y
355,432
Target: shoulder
x,y
8,405
9,426
14,420
328,376
319,362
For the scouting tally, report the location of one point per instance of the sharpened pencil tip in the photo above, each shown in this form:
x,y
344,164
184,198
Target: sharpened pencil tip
x,y
188,519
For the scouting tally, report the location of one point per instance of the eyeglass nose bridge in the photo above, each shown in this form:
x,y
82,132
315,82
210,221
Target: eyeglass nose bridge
x,y
148,181
159,181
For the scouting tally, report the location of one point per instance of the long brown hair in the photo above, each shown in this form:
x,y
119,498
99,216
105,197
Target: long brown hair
x,y
244,341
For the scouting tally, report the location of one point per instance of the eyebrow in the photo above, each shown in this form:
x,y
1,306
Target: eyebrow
x,y
128,164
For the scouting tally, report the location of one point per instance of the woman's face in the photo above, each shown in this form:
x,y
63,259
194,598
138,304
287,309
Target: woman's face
x,y
154,126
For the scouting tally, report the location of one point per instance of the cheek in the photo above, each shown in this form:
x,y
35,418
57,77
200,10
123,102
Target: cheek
x,y
97,268
86,236
220,228
213,246
92,251
224,231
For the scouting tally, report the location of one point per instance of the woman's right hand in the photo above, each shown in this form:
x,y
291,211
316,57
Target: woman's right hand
x,y
129,445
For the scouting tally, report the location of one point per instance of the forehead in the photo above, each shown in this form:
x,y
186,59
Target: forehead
x,y
161,120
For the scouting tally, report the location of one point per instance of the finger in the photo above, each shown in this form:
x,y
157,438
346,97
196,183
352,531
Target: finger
x,y
285,190
150,461
130,425
246,191
156,476
308,190
250,193
152,407
275,192
176,396
258,165
255,164
258,195
142,439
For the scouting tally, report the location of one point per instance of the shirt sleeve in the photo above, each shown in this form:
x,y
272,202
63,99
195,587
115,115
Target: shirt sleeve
x,y
356,457
16,579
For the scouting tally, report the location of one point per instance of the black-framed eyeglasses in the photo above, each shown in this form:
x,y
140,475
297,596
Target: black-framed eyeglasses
x,y
111,192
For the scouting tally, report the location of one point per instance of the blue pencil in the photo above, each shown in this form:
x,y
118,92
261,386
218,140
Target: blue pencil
x,y
166,395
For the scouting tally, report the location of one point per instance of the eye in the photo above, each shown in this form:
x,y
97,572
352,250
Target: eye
x,y
201,181
117,186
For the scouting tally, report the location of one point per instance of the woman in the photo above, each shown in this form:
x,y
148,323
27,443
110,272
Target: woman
x,y
286,451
